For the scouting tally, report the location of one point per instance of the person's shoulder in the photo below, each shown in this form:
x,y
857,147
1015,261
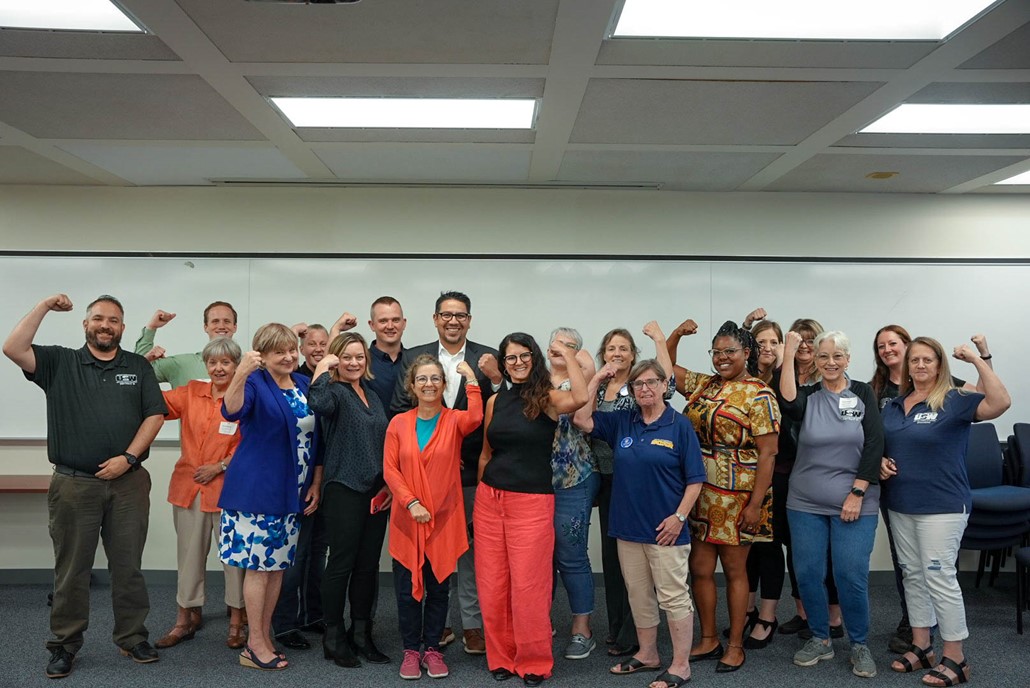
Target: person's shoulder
x,y
862,389
429,348
480,349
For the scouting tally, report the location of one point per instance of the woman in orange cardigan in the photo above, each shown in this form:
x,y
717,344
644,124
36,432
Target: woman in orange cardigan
x,y
421,465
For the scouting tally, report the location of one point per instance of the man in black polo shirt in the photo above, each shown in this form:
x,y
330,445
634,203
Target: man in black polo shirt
x,y
104,408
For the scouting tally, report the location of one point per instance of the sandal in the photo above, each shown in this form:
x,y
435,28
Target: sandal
x,y
960,669
632,666
237,637
249,659
923,654
671,680
171,638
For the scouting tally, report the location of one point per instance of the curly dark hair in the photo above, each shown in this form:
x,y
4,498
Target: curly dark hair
x,y
536,390
746,341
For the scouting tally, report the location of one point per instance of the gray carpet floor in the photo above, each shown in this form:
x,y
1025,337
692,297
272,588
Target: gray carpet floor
x,y
998,656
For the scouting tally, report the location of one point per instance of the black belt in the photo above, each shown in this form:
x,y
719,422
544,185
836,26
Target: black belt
x,y
65,470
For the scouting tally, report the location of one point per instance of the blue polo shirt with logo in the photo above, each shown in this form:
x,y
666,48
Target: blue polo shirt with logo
x,y
929,448
653,465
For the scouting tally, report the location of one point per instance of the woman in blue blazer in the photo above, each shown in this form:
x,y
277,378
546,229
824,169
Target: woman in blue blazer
x,y
275,475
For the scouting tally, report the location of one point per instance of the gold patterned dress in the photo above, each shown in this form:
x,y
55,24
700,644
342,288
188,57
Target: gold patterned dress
x,y
727,416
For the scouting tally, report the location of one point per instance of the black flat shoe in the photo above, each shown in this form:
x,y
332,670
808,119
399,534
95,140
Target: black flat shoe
x,y
294,640
501,674
60,664
620,651
141,653
532,679
752,643
793,626
723,668
715,653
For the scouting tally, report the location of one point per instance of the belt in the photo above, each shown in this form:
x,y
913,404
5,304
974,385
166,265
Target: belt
x,y
66,470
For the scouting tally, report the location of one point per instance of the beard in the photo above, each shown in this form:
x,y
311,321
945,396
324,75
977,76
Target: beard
x,y
91,339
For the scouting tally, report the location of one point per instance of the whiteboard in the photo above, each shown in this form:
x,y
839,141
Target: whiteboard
x,y
950,302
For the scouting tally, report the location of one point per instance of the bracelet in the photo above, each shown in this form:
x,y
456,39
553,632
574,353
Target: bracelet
x,y
412,503
987,357
472,383
224,466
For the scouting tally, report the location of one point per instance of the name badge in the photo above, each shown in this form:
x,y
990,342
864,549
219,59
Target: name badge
x,y
626,442
227,428
848,402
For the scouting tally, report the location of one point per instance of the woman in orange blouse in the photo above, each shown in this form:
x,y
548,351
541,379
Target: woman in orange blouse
x,y
208,443
422,467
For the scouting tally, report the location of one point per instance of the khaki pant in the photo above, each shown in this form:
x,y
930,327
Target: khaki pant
x,y
193,530
656,576
84,510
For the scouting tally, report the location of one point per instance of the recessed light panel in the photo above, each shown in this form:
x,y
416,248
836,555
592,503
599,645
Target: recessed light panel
x,y
887,20
1018,179
409,113
65,15
935,118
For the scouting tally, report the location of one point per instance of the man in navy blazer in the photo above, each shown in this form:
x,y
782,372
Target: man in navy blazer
x,y
453,317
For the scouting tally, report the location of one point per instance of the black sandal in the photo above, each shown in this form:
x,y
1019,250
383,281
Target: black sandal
x,y
923,654
961,671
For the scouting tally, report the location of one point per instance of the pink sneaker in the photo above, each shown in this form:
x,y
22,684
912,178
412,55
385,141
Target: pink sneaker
x,y
410,668
434,665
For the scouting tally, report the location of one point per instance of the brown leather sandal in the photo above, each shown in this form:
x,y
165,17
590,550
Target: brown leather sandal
x,y
170,638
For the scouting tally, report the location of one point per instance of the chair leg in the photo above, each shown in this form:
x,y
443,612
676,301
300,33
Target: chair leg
x,y
998,556
1020,591
980,566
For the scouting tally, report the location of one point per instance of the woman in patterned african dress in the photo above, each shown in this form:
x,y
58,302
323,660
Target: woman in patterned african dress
x,y
737,420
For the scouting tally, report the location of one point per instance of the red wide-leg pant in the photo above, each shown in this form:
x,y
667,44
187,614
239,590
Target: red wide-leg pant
x,y
514,534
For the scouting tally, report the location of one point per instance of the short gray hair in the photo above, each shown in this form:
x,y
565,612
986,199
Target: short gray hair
x,y
570,333
646,365
839,339
222,347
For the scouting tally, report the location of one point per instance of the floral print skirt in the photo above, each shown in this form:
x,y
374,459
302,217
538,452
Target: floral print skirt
x,y
259,542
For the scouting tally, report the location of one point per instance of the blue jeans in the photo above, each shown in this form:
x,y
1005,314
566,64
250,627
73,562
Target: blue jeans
x,y
572,508
850,545
425,618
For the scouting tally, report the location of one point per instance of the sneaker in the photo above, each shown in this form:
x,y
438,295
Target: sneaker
x,y
447,638
410,666
434,665
474,642
862,663
813,652
579,647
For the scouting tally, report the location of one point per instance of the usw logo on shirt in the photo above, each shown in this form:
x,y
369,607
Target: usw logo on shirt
x,y
663,443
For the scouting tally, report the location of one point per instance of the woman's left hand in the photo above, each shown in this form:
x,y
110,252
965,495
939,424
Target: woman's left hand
x,y
750,516
312,498
852,508
386,502
206,473
668,531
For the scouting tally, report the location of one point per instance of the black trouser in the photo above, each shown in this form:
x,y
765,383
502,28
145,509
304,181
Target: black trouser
x,y
300,600
425,618
620,618
355,544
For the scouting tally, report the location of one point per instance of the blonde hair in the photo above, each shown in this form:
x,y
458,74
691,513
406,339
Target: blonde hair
x,y
273,336
342,341
935,399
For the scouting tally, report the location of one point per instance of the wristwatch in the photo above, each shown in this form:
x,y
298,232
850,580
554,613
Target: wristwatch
x,y
131,458
858,492
681,517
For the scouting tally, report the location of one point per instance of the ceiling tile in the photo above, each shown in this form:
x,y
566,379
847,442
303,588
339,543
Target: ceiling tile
x,y
179,165
119,106
710,112
673,170
1011,52
21,166
81,45
380,31
744,53
427,162
917,173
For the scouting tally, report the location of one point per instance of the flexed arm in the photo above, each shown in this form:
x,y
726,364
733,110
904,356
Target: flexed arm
x,y
18,345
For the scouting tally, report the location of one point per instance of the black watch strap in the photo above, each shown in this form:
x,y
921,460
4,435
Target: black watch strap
x,y
131,458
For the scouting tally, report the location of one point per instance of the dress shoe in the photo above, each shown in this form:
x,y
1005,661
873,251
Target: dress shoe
x,y
474,642
237,637
501,674
314,627
293,640
196,618
533,679
753,643
60,664
141,653
335,647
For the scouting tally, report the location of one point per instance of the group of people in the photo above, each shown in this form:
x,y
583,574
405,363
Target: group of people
x,y
299,454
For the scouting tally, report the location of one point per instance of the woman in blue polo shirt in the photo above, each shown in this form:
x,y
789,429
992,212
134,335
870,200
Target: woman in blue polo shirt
x,y
658,475
926,430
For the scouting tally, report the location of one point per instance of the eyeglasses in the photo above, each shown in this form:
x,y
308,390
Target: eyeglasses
x,y
808,342
652,383
525,357
726,352
423,379
837,358
447,317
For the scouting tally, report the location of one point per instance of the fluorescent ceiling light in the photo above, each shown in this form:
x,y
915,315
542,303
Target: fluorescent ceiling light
x,y
935,118
886,20
66,15
409,113
1018,179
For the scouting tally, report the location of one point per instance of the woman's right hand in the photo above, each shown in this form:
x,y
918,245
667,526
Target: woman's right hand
x,y
888,468
330,361
607,372
791,344
419,513
685,328
250,362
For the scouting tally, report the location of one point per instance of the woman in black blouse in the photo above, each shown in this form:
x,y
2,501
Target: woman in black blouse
x,y
514,512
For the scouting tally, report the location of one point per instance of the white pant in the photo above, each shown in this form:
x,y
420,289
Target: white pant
x,y
927,546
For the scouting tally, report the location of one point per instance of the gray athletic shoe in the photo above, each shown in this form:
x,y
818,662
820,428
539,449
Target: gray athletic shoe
x,y
813,652
862,663
579,647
